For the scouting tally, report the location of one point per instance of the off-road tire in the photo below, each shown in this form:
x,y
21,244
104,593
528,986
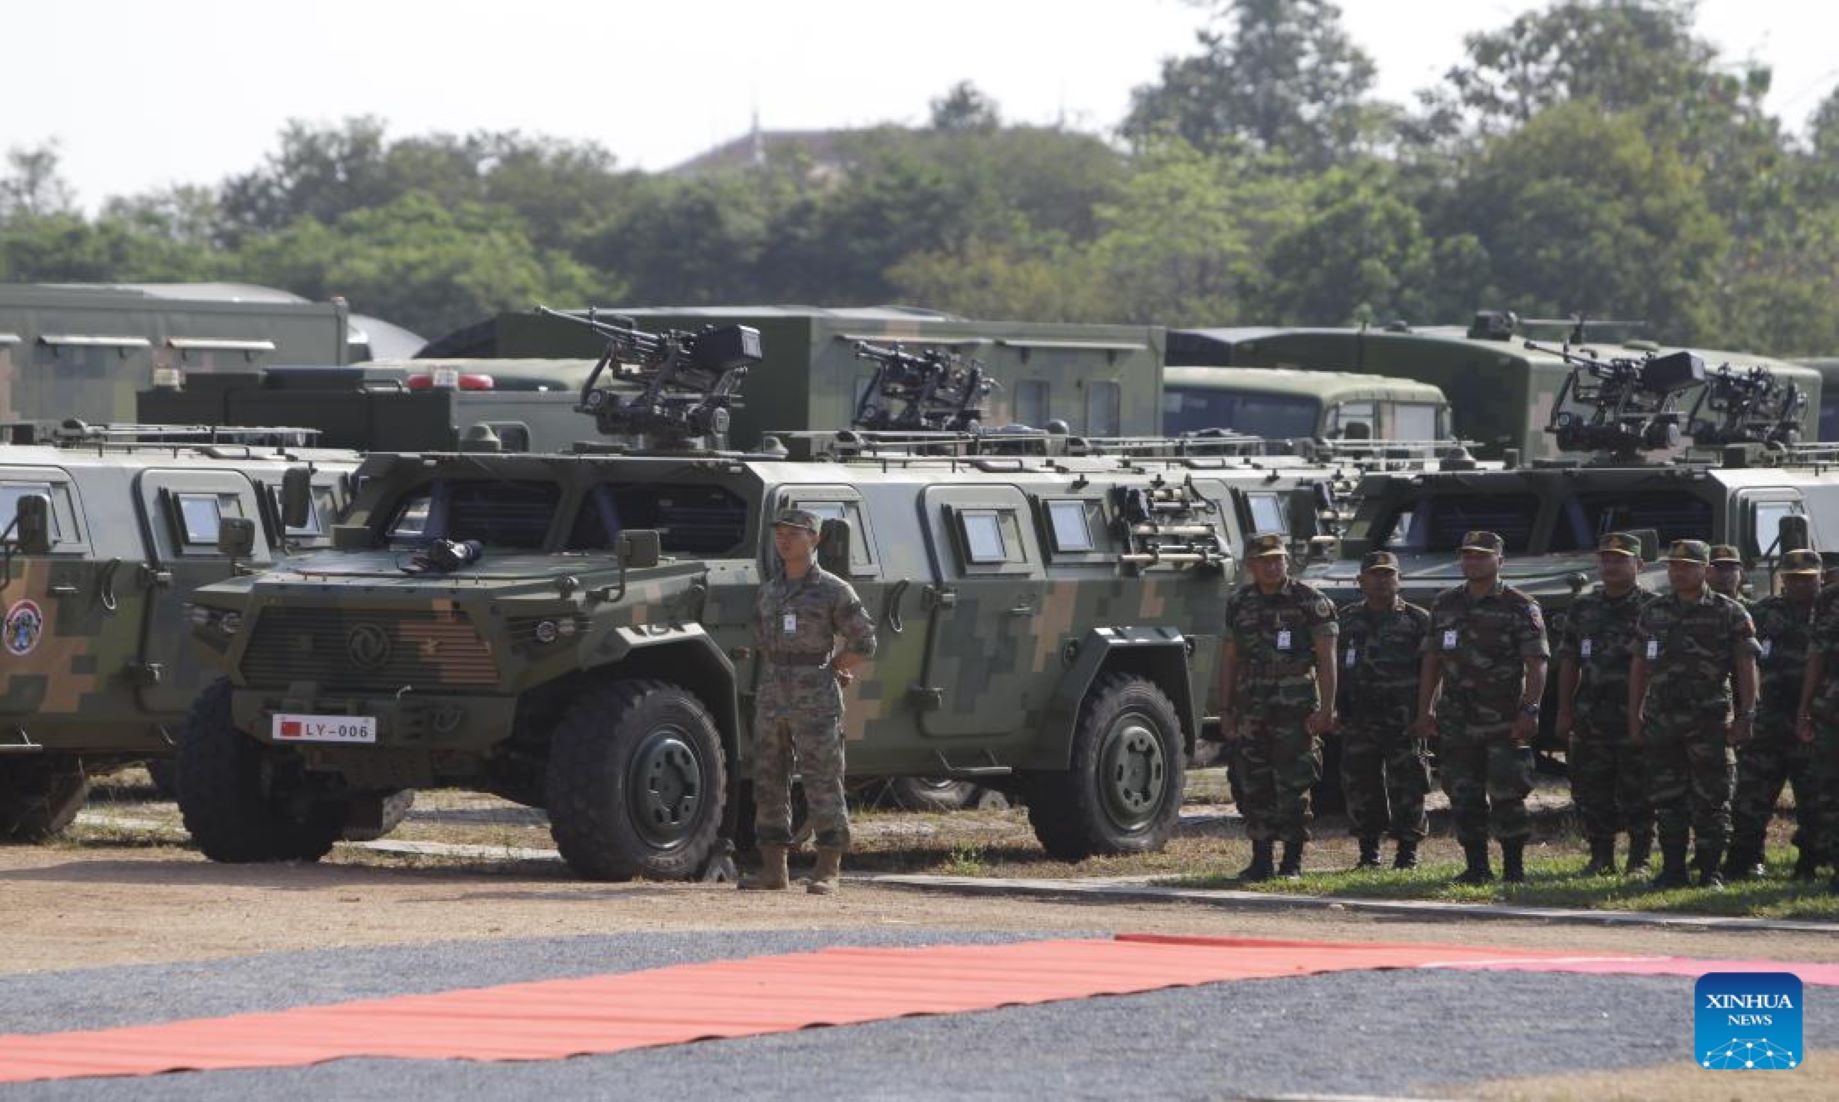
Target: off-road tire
x,y
1077,813
164,773
226,793
636,782
396,807
40,798
931,793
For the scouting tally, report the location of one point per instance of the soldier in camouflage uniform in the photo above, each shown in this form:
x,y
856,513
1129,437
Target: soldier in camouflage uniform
x,y
1776,755
1688,642
798,712
1277,693
1726,576
1384,771
1487,655
1608,773
1818,724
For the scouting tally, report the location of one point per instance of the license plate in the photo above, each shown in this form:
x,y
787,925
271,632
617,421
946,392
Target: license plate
x,y
298,728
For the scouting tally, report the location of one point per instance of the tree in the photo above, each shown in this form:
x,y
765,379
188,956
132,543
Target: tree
x,y
1360,254
33,184
964,107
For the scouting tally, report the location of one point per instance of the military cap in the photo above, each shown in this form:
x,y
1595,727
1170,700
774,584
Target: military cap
x,y
1271,543
1619,543
1689,551
1379,560
796,518
1801,562
1483,541
1724,552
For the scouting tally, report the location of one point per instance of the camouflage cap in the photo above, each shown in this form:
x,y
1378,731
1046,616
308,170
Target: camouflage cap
x,y
796,518
1483,541
1725,553
1379,560
1801,562
1697,551
1619,543
1260,547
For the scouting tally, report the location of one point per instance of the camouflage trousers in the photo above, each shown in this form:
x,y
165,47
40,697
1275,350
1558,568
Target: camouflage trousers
x,y
1691,774
1279,761
1825,770
798,729
1771,761
1609,781
1487,779
1385,776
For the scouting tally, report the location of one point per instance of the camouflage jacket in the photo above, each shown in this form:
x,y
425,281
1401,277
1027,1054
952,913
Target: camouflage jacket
x,y
1599,635
797,622
1784,632
1823,638
1380,655
1691,648
1482,645
1275,638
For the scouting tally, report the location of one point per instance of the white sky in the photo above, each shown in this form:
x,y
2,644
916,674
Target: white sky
x,y
143,94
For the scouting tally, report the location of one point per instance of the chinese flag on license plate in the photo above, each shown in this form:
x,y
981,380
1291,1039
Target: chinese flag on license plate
x,y
290,728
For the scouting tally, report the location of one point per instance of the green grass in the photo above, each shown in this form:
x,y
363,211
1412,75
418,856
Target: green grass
x,y
1558,882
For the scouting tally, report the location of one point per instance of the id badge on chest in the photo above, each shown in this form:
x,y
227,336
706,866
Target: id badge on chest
x,y
1586,648
1653,649
1449,639
1283,640
1352,659
1768,647
789,623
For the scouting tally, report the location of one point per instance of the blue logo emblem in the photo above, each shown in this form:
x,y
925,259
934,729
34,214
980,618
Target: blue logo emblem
x,y
1748,1021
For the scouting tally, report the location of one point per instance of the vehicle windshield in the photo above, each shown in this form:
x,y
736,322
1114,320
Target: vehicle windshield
x,y
1437,522
1273,416
690,518
1675,515
506,513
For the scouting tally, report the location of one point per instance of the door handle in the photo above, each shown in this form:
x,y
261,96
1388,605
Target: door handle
x,y
63,589
1023,609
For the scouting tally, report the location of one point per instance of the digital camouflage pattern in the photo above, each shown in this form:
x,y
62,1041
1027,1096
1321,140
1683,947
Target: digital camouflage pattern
x,y
1385,773
1824,708
1691,647
1278,759
1482,644
1775,756
1608,771
799,709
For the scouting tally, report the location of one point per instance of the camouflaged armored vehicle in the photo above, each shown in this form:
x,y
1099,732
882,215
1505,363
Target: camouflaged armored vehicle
x,y
575,631
108,531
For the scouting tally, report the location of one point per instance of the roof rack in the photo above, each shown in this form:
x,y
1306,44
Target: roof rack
x,y
74,432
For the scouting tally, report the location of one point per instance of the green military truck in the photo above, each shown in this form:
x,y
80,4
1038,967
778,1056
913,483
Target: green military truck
x,y
1501,391
109,530
575,631
1099,380
1285,403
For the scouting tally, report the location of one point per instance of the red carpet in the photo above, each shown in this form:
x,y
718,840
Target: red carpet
x,y
738,998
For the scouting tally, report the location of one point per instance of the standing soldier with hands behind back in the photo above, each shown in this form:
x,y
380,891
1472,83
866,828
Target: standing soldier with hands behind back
x,y
1688,643
1277,694
1595,654
798,616
1384,771
1818,723
1487,654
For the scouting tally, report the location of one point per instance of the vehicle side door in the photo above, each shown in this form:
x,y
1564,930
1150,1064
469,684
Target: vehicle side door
x,y
57,650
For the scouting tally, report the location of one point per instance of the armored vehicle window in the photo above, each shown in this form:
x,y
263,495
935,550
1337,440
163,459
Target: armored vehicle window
x,y
1070,526
499,513
1273,416
1414,421
1267,513
411,519
322,506
1438,523
1765,524
860,553
990,536
1345,415
11,492
1586,519
200,515
1031,404
690,518
1104,409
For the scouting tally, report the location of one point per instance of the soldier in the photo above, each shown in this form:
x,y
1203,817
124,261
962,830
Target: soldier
x,y
1277,696
1818,724
1384,770
798,712
1679,708
1776,755
1726,575
1608,774
1487,653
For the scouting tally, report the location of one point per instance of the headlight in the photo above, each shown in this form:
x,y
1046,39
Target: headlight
x,y
548,631
223,621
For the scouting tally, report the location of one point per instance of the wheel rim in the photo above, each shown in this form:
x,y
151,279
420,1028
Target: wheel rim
x,y
665,788
1133,772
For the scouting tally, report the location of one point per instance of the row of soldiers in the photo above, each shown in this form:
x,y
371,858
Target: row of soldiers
x,y
1684,711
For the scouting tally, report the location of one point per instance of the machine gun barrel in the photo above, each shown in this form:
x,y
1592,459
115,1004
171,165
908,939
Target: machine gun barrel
x,y
936,390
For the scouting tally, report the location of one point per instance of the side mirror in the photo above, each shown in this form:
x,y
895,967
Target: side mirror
x,y
236,537
639,548
1301,515
1791,534
1650,543
297,497
32,525
833,546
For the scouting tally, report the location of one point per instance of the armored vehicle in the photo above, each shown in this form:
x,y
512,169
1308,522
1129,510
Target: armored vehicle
x,y
1282,403
109,529
575,631
1501,392
1828,367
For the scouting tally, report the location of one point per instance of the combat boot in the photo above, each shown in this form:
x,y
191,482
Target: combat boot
x,y
1672,869
1292,867
1369,854
1707,860
1478,871
1260,868
772,875
1513,866
826,876
1602,857
1807,865
1639,847
1407,855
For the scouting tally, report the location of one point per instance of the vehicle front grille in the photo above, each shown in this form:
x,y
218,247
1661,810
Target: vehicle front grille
x,y
368,649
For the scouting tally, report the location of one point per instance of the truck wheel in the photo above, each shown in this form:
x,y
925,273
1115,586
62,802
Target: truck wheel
x,y
931,793
240,800
396,807
636,782
164,773
39,799
1123,792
